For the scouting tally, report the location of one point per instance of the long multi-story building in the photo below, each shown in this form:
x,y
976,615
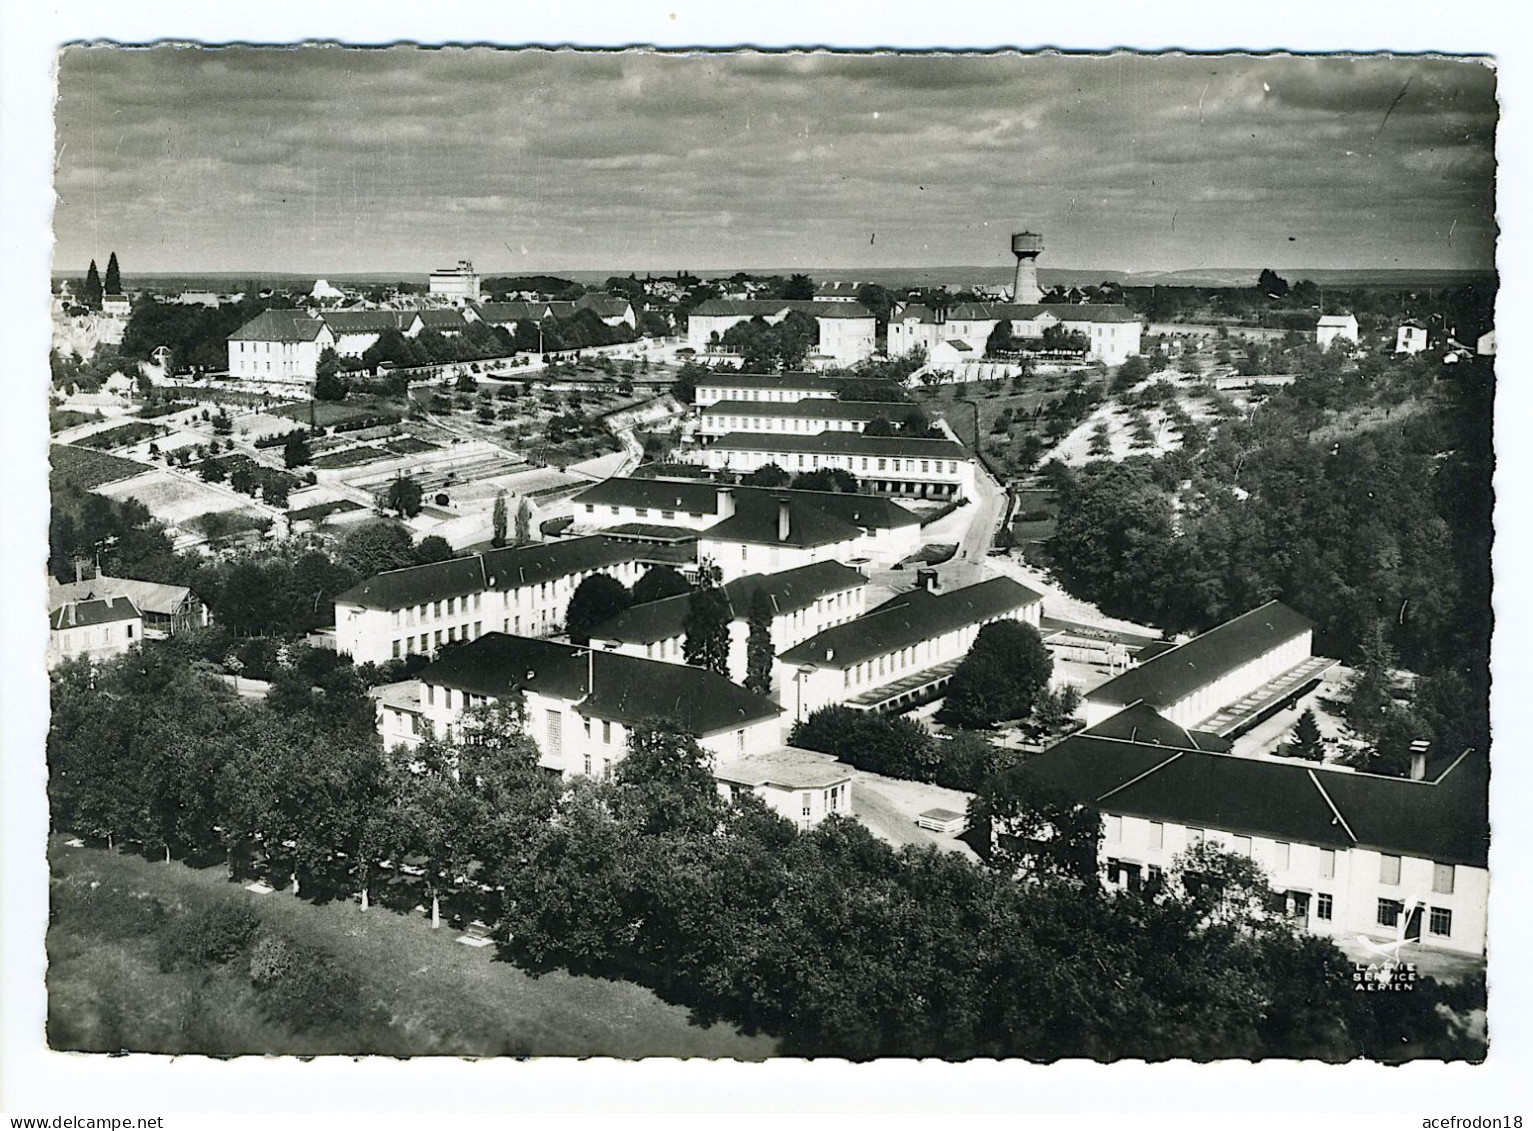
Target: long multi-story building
x,y
804,602
520,590
889,465
279,346
1112,333
1226,679
754,529
847,329
807,417
900,654
1349,854
460,283
780,388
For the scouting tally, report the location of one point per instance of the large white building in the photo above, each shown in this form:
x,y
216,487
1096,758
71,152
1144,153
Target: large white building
x,y
781,388
1112,333
746,530
892,465
520,590
804,602
1335,326
460,283
98,627
797,418
279,346
847,329
900,654
1349,854
1226,679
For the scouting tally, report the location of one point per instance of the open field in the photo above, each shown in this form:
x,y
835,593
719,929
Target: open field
x,y
174,499
87,468
423,993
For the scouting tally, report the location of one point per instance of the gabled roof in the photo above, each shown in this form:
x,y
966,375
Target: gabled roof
x,y
508,568
368,321
605,305
279,326
756,520
1027,312
627,689
97,610
148,596
907,619
1337,320
917,312
838,289
1445,819
768,308
840,443
812,408
1177,672
503,312
440,320
1141,723
795,382
789,591
870,512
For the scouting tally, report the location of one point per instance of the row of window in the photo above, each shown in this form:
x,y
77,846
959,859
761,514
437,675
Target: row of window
x,y
428,642
435,610
719,423
1443,875
789,395
1439,919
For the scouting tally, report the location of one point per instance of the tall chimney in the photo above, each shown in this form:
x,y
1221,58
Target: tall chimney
x,y
1419,759
726,503
926,579
79,570
784,519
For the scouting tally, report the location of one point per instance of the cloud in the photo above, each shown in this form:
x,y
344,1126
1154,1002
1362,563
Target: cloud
x,y
391,159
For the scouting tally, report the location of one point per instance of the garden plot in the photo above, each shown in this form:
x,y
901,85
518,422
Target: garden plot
x,y
174,499
1129,431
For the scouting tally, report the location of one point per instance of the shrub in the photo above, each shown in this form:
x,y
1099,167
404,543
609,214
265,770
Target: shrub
x,y
271,960
107,913
309,991
207,936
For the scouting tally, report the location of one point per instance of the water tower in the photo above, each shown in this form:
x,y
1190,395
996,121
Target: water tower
x,y
1027,247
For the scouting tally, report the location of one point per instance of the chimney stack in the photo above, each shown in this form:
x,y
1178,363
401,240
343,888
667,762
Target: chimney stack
x,y
79,570
726,503
926,579
784,519
1419,759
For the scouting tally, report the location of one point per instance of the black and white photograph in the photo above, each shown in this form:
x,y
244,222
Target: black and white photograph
x,y
752,554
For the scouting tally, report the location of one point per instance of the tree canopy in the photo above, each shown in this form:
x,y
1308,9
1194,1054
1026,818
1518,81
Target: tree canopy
x,y
1000,678
596,600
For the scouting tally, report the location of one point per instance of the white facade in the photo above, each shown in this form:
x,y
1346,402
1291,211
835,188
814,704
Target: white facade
x,y
1209,698
844,340
374,635
1334,892
910,475
290,362
1410,338
460,283
1334,326
1110,341
786,390
805,687
736,559
724,417
71,636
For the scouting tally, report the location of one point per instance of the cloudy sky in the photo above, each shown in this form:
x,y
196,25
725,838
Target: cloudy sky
x,y
339,160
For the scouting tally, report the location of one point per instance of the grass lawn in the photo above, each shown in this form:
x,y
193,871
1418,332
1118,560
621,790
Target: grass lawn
x,y
432,995
330,413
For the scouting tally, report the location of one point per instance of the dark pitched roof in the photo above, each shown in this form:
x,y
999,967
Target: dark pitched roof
x,y
1144,724
812,408
769,307
279,326
1175,673
690,496
507,568
798,382
839,289
149,596
908,618
756,521
917,312
871,512
96,610
501,312
1026,312
1444,819
789,591
842,443
367,321
440,320
605,305
628,689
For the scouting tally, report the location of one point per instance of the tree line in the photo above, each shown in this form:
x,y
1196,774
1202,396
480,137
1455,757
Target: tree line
x,y
1362,498
829,939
